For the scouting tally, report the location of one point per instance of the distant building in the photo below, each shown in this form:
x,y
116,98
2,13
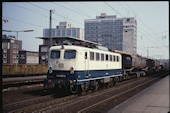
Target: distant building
x,y
112,32
10,49
64,29
28,57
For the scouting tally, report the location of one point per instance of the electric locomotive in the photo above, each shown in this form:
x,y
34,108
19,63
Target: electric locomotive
x,y
77,68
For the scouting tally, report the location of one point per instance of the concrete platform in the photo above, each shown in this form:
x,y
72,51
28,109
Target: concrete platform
x,y
154,99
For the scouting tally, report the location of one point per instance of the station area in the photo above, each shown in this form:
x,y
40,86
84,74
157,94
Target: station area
x,y
154,99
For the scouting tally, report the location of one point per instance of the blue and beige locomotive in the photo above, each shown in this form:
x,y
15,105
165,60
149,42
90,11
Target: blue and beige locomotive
x,y
82,65
78,68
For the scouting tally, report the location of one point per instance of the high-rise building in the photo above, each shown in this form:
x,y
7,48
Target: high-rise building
x,y
64,29
10,49
112,32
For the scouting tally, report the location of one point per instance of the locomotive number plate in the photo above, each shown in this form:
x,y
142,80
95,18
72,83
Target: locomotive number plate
x,y
61,65
61,76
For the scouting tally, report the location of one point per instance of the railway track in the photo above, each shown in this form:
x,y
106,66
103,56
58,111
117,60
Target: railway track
x,y
104,106
34,103
29,102
109,103
96,97
15,83
73,103
78,104
46,102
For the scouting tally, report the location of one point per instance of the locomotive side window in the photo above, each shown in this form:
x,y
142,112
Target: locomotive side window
x,y
102,57
114,58
70,54
91,55
55,54
117,58
110,57
107,58
97,56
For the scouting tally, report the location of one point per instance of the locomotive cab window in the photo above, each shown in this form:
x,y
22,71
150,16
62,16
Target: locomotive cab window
x,y
55,54
70,54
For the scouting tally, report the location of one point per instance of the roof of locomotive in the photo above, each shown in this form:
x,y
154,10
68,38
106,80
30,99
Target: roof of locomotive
x,y
80,48
71,39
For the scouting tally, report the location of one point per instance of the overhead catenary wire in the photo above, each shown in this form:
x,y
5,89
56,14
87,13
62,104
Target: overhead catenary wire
x,y
150,34
80,10
70,9
38,6
134,16
139,18
146,27
113,9
138,28
28,9
118,13
57,14
21,21
92,9
144,34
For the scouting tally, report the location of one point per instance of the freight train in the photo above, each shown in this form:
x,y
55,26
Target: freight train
x,y
87,65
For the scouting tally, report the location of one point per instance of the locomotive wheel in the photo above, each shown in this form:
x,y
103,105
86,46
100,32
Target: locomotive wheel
x,y
95,86
74,88
127,77
113,83
116,79
81,91
120,79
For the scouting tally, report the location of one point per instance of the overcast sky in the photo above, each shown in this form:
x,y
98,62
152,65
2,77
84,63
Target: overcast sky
x,y
152,21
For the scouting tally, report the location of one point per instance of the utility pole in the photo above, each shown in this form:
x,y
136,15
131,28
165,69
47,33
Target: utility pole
x,y
147,53
51,11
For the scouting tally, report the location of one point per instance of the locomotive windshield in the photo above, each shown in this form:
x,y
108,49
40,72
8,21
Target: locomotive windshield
x,y
55,54
70,54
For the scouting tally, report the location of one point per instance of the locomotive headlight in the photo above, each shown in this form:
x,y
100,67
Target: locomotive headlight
x,y
71,70
71,81
50,70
